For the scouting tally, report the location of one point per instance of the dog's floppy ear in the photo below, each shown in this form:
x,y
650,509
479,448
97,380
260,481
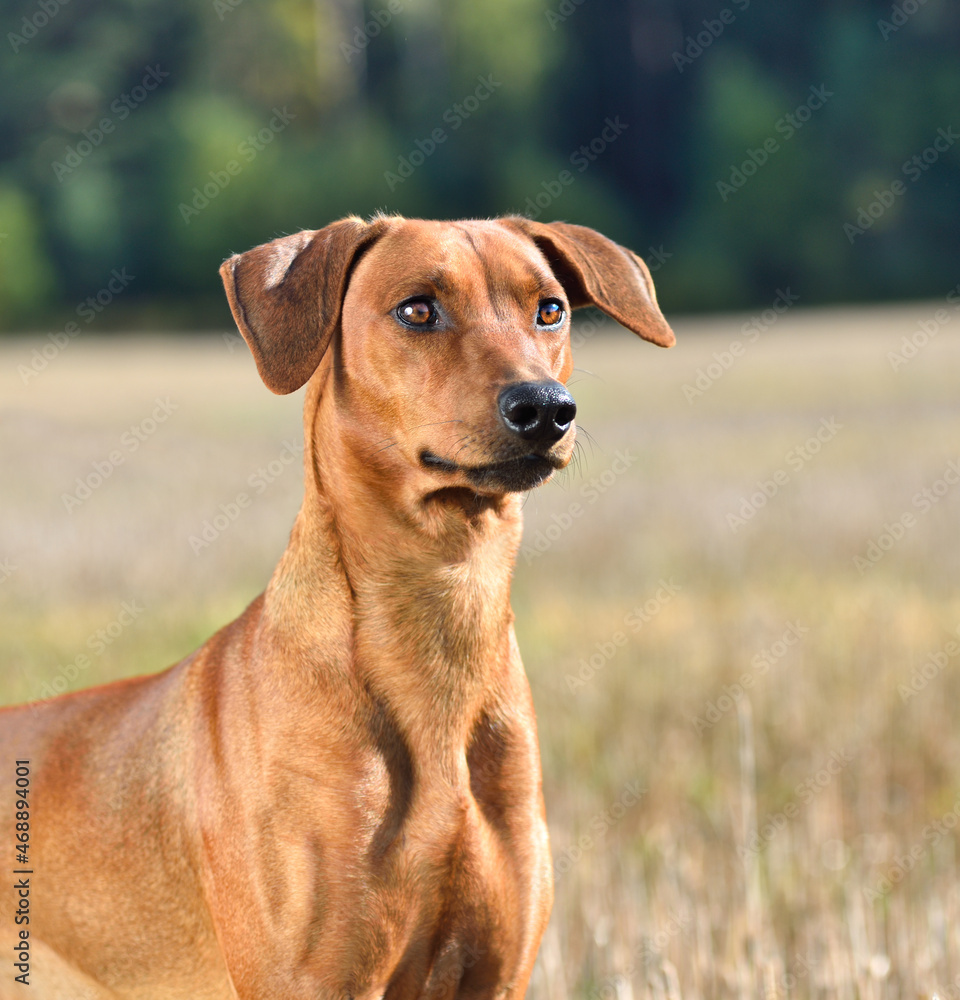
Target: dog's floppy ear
x,y
596,271
286,296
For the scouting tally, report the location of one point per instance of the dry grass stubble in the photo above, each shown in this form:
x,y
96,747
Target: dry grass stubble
x,y
751,751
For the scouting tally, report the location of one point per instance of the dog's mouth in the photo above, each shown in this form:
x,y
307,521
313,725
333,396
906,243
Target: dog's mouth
x,y
515,475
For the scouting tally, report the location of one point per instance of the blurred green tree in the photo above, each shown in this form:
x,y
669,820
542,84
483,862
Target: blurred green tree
x,y
161,136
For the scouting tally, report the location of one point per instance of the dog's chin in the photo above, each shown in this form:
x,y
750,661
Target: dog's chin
x,y
513,475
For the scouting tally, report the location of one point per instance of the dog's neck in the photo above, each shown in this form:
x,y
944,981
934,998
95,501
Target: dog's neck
x,y
411,594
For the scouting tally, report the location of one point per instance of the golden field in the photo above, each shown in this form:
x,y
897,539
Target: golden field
x,y
738,612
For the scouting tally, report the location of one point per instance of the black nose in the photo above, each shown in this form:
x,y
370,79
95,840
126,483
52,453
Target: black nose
x,y
541,412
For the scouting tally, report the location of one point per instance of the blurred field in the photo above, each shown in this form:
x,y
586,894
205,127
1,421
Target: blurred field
x,y
823,765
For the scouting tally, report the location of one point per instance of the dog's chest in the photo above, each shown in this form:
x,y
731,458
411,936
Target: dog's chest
x,y
425,880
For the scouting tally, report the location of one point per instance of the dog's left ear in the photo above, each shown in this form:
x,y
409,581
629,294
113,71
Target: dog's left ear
x,y
286,296
596,271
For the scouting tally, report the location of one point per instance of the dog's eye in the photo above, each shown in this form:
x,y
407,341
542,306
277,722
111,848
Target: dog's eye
x,y
550,312
417,312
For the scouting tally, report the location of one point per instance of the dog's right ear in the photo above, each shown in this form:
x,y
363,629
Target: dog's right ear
x,y
286,296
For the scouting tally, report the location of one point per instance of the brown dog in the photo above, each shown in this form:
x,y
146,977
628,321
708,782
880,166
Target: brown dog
x,y
338,795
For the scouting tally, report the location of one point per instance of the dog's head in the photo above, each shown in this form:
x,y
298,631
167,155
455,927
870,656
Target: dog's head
x,y
454,345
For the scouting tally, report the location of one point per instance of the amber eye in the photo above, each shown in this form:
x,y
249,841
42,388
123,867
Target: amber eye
x,y
550,312
417,312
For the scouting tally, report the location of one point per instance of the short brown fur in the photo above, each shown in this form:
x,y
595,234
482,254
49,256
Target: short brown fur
x,y
338,795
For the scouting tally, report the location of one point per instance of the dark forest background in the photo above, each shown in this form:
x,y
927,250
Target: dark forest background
x,y
738,146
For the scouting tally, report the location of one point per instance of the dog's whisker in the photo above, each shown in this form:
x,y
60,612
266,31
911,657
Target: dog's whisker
x,y
465,444
592,441
438,423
